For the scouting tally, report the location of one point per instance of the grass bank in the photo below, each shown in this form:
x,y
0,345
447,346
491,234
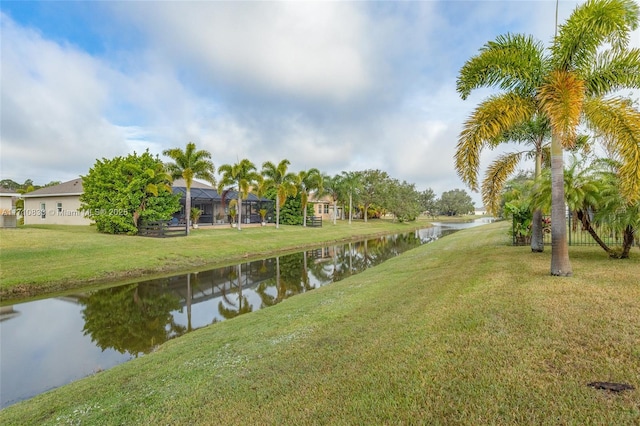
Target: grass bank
x,y
466,330
45,259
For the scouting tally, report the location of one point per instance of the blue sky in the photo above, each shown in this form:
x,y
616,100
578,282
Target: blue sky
x,y
333,85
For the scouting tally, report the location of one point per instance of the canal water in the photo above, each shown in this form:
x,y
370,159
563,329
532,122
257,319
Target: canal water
x,y
48,343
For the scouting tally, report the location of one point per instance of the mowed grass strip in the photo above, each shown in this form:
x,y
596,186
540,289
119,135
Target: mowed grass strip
x,y
466,330
44,259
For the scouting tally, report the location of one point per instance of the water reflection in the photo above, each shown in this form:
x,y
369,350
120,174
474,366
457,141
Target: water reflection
x,y
48,343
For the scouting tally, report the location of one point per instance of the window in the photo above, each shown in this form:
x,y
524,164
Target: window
x,y
59,208
43,211
326,209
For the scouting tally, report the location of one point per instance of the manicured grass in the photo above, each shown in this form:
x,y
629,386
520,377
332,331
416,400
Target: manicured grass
x,y
45,259
466,330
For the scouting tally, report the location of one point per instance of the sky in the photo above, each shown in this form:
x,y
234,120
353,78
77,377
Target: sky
x,y
339,86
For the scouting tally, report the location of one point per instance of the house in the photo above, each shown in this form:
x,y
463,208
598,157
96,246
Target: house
x,y
323,207
55,205
60,204
210,203
8,216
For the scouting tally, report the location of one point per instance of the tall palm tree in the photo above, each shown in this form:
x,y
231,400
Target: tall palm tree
x,y
351,184
240,177
515,64
566,87
190,164
308,180
284,183
590,59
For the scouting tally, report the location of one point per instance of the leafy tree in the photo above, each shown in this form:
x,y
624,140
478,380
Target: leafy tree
x,y
241,177
121,191
282,181
291,212
374,187
455,202
428,202
403,200
190,164
308,180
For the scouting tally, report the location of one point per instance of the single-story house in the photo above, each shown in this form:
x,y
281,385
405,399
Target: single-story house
x,y
55,205
207,199
60,204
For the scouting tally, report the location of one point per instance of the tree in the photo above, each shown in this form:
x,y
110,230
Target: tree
x,y
282,181
374,186
241,177
351,185
308,180
455,202
331,187
567,87
121,191
190,164
428,202
516,64
403,200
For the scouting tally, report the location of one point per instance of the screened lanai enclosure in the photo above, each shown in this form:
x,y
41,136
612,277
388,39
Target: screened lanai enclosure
x,y
214,212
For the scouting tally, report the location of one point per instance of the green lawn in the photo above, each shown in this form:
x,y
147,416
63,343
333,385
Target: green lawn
x,y
44,259
463,331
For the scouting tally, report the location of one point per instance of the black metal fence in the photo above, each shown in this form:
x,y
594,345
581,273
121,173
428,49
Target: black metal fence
x,y
576,234
314,221
162,229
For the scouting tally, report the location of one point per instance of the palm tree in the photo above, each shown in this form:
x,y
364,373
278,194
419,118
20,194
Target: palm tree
x,y
308,180
284,183
516,64
590,59
240,177
566,87
331,186
351,183
190,164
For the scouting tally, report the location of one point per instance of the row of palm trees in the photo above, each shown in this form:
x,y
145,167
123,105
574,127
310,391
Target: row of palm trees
x,y
243,177
546,96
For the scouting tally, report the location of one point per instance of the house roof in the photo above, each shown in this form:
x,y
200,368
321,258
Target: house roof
x,y
72,187
199,191
180,183
6,192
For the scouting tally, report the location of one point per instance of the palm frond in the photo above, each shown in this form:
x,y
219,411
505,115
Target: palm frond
x,y
490,120
513,62
561,98
613,71
619,123
496,177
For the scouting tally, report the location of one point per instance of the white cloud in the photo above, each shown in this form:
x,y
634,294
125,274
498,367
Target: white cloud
x,y
318,50
52,107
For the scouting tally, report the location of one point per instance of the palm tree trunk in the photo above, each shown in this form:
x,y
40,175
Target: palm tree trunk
x,y
187,207
537,236
350,208
335,211
304,214
277,212
239,210
586,224
560,264
627,242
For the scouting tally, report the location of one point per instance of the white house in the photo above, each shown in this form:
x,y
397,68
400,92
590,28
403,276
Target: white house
x,y
57,204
